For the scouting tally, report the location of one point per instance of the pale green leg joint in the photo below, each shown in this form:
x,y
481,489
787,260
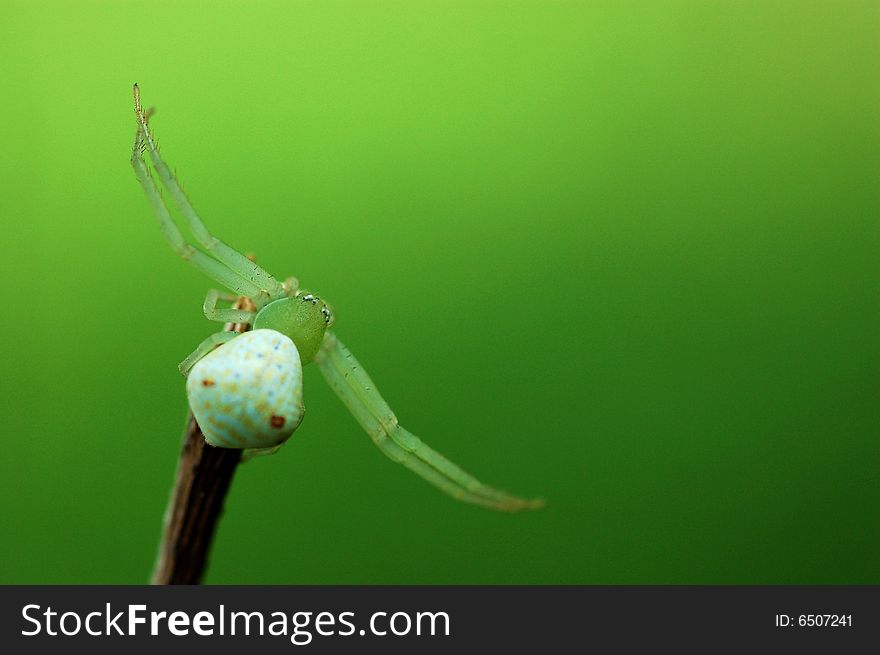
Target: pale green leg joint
x,y
227,315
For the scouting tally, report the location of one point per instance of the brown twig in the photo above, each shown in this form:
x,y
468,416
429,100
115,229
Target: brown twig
x,y
204,475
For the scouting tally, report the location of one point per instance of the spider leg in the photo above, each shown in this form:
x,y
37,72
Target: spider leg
x,y
234,260
291,286
226,315
214,340
249,453
208,265
356,390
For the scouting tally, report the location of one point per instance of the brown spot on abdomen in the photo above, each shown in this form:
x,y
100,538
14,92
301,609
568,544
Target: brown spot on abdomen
x,y
207,382
277,421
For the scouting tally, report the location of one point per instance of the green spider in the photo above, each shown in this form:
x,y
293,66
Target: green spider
x,y
245,389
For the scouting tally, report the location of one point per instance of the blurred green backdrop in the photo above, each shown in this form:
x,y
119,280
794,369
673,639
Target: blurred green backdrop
x,y
623,256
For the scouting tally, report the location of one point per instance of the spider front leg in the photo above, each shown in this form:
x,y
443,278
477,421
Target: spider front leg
x,y
216,339
228,314
209,266
222,263
234,260
356,390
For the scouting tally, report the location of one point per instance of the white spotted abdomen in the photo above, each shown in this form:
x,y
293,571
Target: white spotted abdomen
x,y
248,392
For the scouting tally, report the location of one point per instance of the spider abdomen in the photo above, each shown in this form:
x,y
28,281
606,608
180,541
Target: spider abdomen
x,y
248,392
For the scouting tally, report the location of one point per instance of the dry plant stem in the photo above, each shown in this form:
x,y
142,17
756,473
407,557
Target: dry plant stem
x,y
204,475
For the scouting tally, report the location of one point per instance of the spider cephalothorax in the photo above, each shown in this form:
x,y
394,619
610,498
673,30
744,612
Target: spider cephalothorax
x,y
304,318
245,390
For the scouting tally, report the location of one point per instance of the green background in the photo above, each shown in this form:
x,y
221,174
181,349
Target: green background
x,y
623,256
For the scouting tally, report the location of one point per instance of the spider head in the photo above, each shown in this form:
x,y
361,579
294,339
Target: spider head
x,y
303,319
